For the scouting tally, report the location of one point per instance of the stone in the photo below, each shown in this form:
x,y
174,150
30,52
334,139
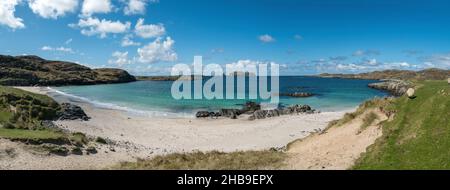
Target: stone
x,y
202,114
72,112
230,112
410,93
262,114
393,86
298,94
251,107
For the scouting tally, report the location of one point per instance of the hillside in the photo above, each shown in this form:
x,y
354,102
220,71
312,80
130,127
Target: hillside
x,y
27,117
33,70
419,135
427,74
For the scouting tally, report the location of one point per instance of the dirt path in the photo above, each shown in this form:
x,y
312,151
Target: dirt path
x,y
337,148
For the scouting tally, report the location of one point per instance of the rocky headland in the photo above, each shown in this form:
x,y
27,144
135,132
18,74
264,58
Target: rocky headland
x,y
36,71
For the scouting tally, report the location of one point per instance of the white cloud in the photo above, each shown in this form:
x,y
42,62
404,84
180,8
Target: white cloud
x,y
438,60
67,42
136,6
266,38
159,50
52,8
149,31
298,37
96,6
366,53
127,41
120,59
59,49
7,17
94,26
371,62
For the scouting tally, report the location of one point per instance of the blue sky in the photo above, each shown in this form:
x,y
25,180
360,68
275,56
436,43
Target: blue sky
x,y
147,37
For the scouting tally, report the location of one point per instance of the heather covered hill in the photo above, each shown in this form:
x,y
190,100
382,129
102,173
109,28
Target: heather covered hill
x,y
427,74
33,70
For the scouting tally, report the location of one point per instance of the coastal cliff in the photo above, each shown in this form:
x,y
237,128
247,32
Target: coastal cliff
x,y
33,70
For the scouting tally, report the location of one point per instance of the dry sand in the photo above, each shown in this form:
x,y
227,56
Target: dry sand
x,y
144,137
336,148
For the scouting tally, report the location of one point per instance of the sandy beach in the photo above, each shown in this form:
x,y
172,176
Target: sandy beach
x,y
144,137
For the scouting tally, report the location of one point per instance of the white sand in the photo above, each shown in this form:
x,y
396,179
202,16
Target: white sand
x,y
154,136
337,148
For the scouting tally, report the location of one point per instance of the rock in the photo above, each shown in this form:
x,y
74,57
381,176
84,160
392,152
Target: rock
x,y
250,107
448,80
410,93
230,112
395,87
72,112
262,114
76,151
202,114
298,94
91,150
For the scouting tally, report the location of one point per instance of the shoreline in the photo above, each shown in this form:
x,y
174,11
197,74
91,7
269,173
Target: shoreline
x,y
145,137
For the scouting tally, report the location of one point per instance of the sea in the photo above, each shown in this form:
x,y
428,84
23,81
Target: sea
x,y
154,98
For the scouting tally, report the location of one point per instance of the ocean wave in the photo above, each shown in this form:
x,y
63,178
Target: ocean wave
x,y
112,106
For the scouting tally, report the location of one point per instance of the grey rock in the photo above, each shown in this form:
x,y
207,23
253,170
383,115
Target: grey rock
x,y
298,94
393,86
72,112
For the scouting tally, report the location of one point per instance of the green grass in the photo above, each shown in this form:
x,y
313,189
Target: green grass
x,y
384,103
248,160
419,135
21,134
25,110
23,122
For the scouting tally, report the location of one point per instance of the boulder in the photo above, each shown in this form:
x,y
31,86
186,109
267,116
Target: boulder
x,y
72,112
202,114
395,87
230,112
298,94
251,107
448,80
410,93
262,114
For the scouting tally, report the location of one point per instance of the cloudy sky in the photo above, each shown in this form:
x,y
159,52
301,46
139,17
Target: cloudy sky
x,y
305,37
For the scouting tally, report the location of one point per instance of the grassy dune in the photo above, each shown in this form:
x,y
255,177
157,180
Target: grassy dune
x,y
419,136
21,119
246,160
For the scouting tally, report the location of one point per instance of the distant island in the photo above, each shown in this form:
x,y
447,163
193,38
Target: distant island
x,y
427,74
32,70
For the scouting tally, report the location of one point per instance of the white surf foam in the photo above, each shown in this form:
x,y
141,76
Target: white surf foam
x,y
133,111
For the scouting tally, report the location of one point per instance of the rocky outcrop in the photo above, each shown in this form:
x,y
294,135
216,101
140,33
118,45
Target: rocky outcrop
x,y
295,109
395,87
72,112
298,94
33,70
254,110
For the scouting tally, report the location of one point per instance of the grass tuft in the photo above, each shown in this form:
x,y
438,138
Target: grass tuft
x,y
248,160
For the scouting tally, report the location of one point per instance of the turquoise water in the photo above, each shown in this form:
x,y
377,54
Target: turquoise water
x,y
153,98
